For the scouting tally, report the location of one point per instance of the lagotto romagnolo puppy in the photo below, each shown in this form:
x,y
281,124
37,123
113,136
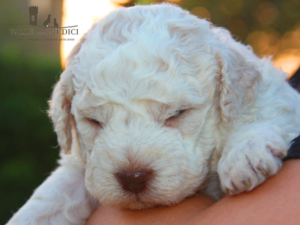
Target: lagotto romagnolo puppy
x,y
155,105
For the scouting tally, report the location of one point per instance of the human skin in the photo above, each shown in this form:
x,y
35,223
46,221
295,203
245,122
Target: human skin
x,y
277,201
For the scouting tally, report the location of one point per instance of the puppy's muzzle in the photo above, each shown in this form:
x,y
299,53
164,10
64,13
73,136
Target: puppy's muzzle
x,y
134,182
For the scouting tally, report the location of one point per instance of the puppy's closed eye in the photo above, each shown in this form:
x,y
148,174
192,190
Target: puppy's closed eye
x,y
95,123
171,121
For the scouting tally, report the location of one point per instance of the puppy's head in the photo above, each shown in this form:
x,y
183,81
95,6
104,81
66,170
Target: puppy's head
x,y
142,99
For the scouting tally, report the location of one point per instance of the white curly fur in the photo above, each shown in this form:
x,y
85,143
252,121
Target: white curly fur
x,y
134,70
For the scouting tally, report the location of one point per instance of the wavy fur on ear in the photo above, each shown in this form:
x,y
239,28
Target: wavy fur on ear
x,y
239,76
60,103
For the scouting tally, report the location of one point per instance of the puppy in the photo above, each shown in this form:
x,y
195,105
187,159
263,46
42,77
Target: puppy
x,y
155,105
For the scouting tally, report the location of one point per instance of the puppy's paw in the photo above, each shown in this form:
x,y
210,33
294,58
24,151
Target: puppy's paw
x,y
250,159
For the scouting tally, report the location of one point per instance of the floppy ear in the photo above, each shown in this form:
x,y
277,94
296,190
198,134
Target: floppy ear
x,y
60,103
238,77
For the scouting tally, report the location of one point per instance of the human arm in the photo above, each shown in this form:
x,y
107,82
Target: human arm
x,y
277,201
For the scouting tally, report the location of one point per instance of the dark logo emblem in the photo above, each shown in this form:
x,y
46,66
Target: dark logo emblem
x,y
33,11
47,21
33,19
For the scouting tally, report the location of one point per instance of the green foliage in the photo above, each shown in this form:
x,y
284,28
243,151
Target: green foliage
x,y
27,139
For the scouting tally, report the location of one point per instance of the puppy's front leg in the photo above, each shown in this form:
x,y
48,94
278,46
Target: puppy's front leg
x,y
61,200
250,155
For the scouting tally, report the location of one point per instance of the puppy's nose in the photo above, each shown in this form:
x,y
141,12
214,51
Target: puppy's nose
x,y
134,181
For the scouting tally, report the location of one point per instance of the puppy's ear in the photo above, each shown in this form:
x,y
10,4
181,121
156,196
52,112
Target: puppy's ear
x,y
238,77
60,103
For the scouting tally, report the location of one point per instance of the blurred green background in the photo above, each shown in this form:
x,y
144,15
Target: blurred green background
x,y
29,69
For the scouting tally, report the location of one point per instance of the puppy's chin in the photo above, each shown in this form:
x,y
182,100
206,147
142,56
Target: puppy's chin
x,y
132,204
136,205
139,201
